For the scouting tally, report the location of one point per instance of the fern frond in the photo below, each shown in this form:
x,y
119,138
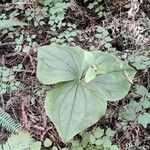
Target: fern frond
x,y
8,123
21,141
10,23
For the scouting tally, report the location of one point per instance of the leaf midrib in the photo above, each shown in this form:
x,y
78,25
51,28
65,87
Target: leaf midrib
x,y
72,106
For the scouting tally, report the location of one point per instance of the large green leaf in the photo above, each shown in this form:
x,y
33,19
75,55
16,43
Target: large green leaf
x,y
74,106
57,63
113,83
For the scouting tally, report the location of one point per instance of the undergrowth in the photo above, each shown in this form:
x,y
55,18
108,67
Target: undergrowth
x,y
109,26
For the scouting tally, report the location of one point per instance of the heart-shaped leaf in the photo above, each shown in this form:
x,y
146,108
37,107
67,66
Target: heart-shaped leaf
x,y
57,63
74,104
113,83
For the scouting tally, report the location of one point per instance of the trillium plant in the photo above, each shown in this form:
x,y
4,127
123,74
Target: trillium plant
x,y
84,82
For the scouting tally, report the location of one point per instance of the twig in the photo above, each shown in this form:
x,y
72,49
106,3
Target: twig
x,y
24,116
10,43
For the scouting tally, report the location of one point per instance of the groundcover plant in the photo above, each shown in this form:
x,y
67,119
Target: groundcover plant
x,y
84,82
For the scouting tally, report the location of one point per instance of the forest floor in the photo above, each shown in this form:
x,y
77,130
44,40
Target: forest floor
x,y
127,24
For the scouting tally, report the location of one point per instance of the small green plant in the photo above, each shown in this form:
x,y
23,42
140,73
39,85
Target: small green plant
x,y
20,41
31,14
8,82
66,36
24,141
20,141
57,15
50,2
135,111
104,39
47,142
36,145
97,6
55,11
98,139
144,119
85,82
130,111
140,62
143,34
